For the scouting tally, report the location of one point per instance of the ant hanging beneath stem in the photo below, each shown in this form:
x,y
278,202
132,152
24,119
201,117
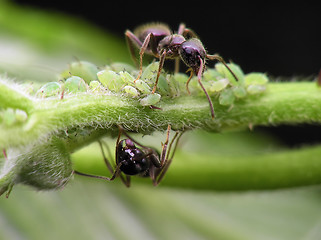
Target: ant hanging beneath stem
x,y
144,161
156,39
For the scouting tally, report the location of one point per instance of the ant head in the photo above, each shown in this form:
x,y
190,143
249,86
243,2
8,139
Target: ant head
x,y
191,51
171,45
133,160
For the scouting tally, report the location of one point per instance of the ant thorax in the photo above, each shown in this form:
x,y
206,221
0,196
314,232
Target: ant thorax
x,y
171,45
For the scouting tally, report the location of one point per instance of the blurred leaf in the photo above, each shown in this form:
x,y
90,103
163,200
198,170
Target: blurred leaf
x,y
100,210
40,44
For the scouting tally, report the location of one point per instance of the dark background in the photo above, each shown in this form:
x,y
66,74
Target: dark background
x,y
279,39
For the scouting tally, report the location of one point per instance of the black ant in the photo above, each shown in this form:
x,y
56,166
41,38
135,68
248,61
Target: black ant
x,y
143,161
157,39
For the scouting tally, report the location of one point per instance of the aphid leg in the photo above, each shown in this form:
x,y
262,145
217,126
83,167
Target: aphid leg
x,y
132,40
199,77
189,79
220,59
5,154
160,67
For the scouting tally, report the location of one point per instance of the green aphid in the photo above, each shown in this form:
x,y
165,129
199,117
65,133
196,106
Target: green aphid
x,y
85,70
21,116
255,79
211,74
150,72
12,116
219,85
131,91
239,91
111,80
225,73
150,99
126,77
227,97
142,86
255,83
117,67
8,117
255,89
49,89
162,86
75,84
95,86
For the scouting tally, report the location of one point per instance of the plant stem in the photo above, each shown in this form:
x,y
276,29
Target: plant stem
x,y
291,103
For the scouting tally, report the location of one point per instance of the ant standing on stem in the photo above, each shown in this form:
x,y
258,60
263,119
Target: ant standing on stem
x,y
157,39
143,161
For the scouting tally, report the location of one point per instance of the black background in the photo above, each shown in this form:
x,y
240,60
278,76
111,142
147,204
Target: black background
x,y
279,39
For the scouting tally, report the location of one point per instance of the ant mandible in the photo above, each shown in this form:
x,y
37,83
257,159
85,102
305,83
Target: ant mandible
x,y
143,161
157,39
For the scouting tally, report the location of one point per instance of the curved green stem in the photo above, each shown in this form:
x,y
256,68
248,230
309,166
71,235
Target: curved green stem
x,y
202,171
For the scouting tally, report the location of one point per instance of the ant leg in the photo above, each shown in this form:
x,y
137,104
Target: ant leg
x,y
169,160
176,69
115,174
220,59
122,131
156,170
132,40
109,166
189,79
160,67
186,32
181,29
149,39
199,77
92,176
124,178
164,146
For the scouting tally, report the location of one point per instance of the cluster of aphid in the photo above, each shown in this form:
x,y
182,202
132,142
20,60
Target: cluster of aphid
x,y
148,85
119,78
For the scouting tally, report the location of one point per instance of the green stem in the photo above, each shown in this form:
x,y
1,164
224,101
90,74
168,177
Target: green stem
x,y
201,171
290,103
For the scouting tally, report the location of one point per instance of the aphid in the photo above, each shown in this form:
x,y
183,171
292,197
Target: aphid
x,y
157,39
133,158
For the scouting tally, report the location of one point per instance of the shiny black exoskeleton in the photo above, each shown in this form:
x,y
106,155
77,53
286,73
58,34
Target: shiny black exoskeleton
x,y
135,161
141,161
156,39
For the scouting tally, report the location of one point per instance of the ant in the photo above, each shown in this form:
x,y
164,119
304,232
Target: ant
x,y
144,161
157,39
